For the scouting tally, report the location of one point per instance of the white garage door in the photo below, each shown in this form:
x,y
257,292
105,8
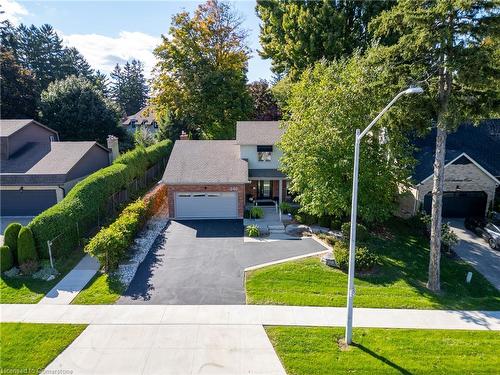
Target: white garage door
x,y
206,205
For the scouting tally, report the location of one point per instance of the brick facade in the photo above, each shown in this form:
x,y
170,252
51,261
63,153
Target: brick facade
x,y
468,177
172,189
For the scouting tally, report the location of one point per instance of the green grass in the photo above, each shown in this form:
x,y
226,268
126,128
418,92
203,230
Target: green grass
x,y
399,281
29,290
29,348
101,290
309,351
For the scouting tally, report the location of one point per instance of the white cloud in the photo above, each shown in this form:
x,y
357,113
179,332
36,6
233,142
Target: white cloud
x,y
104,52
13,11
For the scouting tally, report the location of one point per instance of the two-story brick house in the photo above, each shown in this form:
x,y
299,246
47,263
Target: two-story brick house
x,y
214,179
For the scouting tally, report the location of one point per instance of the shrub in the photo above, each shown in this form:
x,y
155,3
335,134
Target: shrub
x,y
335,224
361,231
29,267
286,207
246,213
90,197
253,231
365,259
10,238
256,212
324,221
26,250
310,219
299,218
156,198
6,258
110,244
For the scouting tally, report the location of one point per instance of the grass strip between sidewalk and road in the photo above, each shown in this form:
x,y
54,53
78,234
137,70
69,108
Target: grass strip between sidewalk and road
x,y
102,289
27,348
315,351
398,282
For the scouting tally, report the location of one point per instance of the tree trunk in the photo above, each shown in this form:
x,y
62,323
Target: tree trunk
x,y
437,204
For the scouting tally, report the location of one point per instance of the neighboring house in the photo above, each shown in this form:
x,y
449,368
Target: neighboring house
x,y
144,119
472,172
37,171
214,179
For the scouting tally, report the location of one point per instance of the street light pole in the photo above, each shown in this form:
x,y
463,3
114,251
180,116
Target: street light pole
x,y
354,208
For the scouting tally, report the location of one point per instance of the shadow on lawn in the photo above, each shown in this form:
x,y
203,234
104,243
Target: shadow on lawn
x,y
381,358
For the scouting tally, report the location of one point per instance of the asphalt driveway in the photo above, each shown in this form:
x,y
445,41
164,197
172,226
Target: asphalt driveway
x,y
474,250
196,262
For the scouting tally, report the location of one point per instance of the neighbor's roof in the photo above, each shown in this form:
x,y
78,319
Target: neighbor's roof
x,y
43,162
258,132
481,143
205,162
9,127
146,114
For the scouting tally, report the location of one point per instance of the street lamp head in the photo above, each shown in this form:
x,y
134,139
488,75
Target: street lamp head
x,y
414,90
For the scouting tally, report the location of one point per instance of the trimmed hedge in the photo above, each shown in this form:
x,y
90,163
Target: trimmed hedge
x,y
26,250
90,196
10,238
110,244
6,258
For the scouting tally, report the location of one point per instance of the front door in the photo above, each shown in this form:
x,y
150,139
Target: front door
x,y
265,189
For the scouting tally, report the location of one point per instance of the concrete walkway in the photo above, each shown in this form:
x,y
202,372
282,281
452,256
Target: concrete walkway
x,y
475,251
170,349
248,314
66,290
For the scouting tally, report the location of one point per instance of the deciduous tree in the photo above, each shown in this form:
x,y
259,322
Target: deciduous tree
x,y
201,72
265,106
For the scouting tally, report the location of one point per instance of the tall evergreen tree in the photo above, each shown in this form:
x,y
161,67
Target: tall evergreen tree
x,y
296,34
201,72
450,47
128,87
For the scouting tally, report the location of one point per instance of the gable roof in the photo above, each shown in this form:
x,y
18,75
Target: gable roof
x,y
146,114
205,162
258,132
481,143
38,162
10,127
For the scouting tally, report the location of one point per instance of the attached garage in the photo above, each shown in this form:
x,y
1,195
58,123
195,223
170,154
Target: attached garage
x,y
26,202
202,205
460,203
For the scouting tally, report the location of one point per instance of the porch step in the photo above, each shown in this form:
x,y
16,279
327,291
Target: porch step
x,y
276,228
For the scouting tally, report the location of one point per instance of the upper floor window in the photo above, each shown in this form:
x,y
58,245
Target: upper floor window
x,y
264,153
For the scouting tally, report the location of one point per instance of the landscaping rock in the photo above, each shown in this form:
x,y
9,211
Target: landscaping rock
x,y
297,229
329,260
45,273
13,272
140,249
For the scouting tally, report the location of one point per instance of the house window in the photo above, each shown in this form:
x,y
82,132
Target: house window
x,y
264,153
155,124
132,123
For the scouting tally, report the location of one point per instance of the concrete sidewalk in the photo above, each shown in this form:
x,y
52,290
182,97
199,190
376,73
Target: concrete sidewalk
x,y
67,289
249,314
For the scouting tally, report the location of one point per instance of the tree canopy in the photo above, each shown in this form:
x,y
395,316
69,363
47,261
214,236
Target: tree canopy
x,y
296,34
265,105
77,110
128,86
325,106
200,77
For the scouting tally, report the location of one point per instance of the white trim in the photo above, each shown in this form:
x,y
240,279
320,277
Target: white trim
x,y
473,162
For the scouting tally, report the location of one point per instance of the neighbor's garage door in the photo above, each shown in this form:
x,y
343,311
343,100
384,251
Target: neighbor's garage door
x,y
206,205
460,203
26,202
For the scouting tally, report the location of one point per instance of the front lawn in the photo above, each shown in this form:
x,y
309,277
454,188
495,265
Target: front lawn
x,y
309,351
29,290
101,290
399,281
29,348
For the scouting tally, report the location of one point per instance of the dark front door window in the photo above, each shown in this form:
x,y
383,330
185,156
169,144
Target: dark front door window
x,y
265,189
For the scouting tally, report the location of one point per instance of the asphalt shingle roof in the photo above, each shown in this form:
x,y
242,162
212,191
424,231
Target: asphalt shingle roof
x,y
481,143
36,162
258,132
206,162
9,127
